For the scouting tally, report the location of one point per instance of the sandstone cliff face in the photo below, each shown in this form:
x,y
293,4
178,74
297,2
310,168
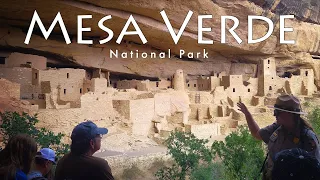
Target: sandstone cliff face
x,y
10,98
16,15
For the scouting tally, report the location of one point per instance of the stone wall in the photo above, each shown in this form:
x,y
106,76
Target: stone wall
x,y
165,84
40,103
97,106
204,84
128,84
94,107
203,111
31,92
69,82
19,60
179,101
192,85
219,95
232,81
10,98
201,97
215,82
22,76
60,120
99,85
9,89
19,75
156,85
252,87
204,131
162,104
145,85
123,107
141,114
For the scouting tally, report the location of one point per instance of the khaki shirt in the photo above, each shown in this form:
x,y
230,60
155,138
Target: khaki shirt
x,y
278,139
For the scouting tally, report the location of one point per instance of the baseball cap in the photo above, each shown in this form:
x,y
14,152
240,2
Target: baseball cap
x,y
47,153
87,130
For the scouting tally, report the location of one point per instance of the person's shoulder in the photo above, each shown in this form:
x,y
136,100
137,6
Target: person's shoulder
x,y
272,127
266,132
309,139
308,133
21,175
98,161
66,156
35,175
102,168
39,178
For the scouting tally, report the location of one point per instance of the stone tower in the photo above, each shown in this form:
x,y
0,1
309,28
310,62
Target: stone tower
x,y
307,76
267,77
178,80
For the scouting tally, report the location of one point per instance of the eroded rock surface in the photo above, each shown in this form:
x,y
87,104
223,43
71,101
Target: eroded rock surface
x,y
222,57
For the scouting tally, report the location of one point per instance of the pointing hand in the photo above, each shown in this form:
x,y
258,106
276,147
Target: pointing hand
x,y
243,108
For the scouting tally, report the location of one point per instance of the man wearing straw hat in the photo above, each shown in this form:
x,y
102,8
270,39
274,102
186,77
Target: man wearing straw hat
x,y
289,131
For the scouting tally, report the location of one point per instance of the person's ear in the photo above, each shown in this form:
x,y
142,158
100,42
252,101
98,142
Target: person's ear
x,y
47,164
92,143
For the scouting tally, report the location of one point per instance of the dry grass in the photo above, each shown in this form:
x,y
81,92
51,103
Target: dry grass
x,y
133,173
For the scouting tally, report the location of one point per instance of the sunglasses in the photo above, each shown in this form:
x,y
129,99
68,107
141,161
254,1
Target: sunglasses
x,y
277,112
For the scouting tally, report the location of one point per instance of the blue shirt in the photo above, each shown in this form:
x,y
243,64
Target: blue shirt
x,y
21,175
34,174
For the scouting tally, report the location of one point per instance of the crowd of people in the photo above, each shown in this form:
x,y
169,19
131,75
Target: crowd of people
x,y
19,160
293,150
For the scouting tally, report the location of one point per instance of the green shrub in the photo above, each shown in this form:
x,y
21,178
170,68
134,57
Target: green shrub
x,y
242,155
187,152
13,123
314,118
212,171
307,104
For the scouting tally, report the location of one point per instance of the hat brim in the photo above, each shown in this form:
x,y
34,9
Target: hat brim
x,y
102,131
284,110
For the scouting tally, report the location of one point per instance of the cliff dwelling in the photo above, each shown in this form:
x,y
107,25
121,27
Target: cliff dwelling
x,y
203,105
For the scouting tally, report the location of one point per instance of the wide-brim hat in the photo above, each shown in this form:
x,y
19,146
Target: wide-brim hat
x,y
288,103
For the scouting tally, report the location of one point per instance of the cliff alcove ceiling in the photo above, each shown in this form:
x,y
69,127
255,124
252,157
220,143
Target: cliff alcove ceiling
x,y
231,57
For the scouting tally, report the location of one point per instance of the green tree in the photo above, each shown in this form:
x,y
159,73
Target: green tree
x,y
314,118
14,123
212,171
187,152
242,155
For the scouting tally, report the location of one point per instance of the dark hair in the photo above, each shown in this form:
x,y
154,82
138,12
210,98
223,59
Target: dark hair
x,y
301,123
40,161
18,154
80,147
